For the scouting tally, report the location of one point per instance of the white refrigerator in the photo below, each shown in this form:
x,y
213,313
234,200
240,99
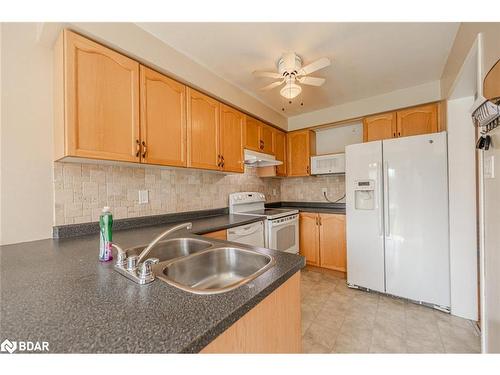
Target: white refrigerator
x,y
397,218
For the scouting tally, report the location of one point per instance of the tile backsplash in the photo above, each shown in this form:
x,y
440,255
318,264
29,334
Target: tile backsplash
x,y
82,189
308,189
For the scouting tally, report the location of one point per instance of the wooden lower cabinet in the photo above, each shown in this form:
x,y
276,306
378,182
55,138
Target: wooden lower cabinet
x,y
309,237
323,240
218,235
273,326
332,249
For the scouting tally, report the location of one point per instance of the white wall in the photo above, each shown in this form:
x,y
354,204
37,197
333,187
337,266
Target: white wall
x,y
26,135
462,208
333,140
425,93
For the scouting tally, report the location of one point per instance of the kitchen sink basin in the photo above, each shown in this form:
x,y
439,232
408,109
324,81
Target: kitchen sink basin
x,y
214,270
173,248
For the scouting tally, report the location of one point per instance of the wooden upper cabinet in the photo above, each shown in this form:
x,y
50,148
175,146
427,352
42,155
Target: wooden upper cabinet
x,y
267,138
163,119
301,145
333,254
309,237
252,134
417,120
379,127
259,136
280,151
97,101
232,123
202,131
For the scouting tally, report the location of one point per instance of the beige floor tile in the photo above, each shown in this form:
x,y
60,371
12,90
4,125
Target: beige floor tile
x,y
323,335
387,341
313,347
353,339
338,319
458,339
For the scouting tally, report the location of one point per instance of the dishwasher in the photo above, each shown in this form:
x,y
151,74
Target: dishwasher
x,y
250,234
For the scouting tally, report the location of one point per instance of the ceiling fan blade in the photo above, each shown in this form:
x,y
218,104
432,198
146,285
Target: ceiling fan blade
x,y
317,65
312,81
272,85
267,74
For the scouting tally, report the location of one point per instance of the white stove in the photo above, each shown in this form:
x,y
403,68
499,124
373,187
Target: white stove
x,y
281,225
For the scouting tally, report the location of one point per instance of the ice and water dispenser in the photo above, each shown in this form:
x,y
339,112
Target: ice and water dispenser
x,y
364,194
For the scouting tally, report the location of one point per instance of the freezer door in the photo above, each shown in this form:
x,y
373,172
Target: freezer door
x,y
416,218
364,210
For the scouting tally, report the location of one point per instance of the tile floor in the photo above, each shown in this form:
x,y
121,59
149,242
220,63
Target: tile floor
x,y
337,319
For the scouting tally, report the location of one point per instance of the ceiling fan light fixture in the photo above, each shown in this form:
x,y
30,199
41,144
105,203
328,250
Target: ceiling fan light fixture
x,y
291,90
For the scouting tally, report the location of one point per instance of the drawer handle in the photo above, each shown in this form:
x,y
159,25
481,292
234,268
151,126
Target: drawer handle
x,y
144,149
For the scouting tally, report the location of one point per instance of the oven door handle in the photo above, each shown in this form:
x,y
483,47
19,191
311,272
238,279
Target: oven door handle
x,y
291,221
245,231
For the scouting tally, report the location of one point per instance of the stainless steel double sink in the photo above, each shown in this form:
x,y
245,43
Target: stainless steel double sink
x,y
205,266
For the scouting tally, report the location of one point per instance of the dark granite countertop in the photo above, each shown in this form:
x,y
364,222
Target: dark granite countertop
x,y
320,207
57,291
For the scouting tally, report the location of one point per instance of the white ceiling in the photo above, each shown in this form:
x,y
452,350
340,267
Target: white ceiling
x,y
367,58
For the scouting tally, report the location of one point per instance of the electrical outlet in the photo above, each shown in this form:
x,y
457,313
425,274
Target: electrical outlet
x,y
274,191
143,196
324,191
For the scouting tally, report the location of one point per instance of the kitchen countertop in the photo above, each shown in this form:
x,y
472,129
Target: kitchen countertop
x,y
57,291
320,207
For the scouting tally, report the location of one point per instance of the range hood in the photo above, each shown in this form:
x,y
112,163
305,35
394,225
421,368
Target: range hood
x,y
259,159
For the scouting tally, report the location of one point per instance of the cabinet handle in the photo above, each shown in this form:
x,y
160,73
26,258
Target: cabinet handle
x,y
144,149
222,161
319,218
307,169
218,160
394,135
399,134
138,148
261,143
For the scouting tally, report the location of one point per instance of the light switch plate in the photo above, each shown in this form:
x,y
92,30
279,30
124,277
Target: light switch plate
x,y
489,167
143,196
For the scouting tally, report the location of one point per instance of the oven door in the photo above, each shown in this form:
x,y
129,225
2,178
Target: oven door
x,y
284,234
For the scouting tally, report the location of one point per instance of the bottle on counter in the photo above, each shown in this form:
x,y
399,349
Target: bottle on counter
x,y
106,235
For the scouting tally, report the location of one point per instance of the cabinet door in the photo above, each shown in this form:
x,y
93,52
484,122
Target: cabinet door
x,y
417,120
267,139
309,237
102,101
300,147
280,152
253,130
231,139
379,127
163,120
202,131
332,242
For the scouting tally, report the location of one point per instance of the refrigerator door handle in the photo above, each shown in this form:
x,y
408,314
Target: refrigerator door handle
x,y
386,200
380,200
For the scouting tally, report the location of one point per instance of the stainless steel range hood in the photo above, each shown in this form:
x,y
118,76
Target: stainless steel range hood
x,y
259,159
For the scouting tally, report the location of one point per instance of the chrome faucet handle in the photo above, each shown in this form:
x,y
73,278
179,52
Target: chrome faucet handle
x,y
132,262
145,271
121,257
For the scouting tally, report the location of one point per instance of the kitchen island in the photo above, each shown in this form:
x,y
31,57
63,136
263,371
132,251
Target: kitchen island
x,y
56,290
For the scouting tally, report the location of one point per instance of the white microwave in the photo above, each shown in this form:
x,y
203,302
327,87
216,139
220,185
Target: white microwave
x,y
328,164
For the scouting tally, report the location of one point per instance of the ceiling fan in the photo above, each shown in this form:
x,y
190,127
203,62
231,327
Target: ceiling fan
x,y
291,72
